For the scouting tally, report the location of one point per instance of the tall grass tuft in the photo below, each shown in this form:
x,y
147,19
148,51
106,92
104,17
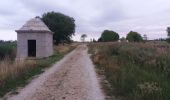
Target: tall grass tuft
x,y
10,71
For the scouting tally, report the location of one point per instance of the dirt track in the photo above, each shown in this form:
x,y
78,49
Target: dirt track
x,y
72,78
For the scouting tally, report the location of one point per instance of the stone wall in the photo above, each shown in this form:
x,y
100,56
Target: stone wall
x,y
44,44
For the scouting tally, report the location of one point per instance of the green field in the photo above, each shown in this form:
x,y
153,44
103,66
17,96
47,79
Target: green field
x,y
136,71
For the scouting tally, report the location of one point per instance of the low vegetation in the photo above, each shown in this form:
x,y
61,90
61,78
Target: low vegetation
x,y
7,48
136,71
15,74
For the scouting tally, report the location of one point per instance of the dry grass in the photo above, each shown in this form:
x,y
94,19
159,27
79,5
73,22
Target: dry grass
x,y
15,73
11,70
61,48
64,48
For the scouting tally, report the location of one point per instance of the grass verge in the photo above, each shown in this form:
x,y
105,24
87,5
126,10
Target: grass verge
x,y
18,73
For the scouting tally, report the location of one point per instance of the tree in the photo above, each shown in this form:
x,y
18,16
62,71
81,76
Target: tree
x,y
108,36
168,40
62,25
168,31
134,37
99,40
83,36
94,40
145,37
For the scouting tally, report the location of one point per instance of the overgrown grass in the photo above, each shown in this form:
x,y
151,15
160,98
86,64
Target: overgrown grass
x,y
136,71
15,74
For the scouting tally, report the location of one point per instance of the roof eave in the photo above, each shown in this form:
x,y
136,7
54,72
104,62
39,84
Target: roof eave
x,y
33,31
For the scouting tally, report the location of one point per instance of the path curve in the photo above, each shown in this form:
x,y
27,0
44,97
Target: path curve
x,y
72,78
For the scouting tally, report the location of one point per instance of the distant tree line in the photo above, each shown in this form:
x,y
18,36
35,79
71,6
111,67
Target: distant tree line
x,y
63,27
111,36
83,36
168,31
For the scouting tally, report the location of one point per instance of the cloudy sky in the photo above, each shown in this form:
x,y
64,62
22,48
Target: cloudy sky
x,y
149,17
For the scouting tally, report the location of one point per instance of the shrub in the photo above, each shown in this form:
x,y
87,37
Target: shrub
x,y
168,40
134,37
99,40
108,36
7,49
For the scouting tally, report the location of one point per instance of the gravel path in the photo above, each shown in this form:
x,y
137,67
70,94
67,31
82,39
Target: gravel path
x,y
72,78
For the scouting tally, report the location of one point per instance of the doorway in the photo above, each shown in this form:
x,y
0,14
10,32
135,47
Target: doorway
x,y
31,48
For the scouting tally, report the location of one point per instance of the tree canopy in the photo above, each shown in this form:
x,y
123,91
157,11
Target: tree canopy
x,y
168,31
62,25
83,36
134,37
108,36
99,40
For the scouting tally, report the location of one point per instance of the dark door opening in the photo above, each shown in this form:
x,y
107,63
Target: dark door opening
x,y
31,48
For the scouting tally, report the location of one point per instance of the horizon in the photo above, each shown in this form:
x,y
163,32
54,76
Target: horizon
x,y
142,16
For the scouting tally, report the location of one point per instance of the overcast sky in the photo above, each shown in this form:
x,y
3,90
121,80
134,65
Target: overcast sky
x,y
150,17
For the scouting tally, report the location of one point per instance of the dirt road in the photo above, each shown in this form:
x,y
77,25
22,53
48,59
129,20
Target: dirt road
x,y
72,78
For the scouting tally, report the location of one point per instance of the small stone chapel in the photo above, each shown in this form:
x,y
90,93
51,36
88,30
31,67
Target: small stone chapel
x,y
34,40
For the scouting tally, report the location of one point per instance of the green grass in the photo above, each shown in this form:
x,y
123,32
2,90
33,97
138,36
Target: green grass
x,y
136,71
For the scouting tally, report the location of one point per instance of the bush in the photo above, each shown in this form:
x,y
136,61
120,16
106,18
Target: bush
x,y
108,36
134,37
7,49
99,40
168,40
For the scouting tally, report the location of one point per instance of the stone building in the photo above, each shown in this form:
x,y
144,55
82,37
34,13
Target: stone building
x,y
34,40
